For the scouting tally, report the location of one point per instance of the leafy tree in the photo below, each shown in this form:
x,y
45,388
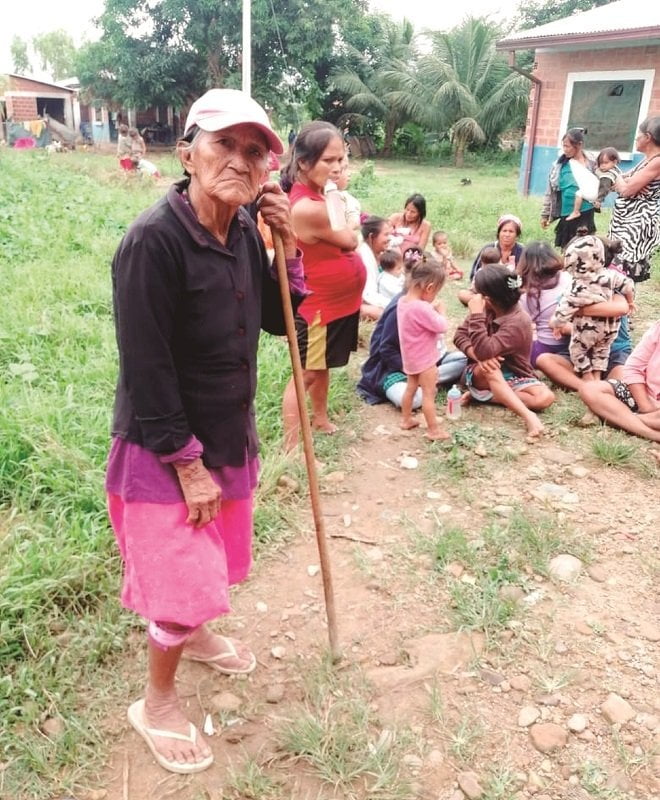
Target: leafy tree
x,y
366,86
19,56
57,53
463,87
172,50
539,12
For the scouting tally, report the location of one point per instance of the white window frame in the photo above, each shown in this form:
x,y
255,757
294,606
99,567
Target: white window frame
x,y
646,75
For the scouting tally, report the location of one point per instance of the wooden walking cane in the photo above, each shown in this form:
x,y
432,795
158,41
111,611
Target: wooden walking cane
x,y
308,445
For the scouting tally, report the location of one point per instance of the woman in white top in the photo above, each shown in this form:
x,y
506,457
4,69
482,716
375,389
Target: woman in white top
x,y
376,233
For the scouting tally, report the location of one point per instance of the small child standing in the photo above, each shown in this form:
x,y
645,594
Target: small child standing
x,y
592,282
497,338
607,171
442,250
419,326
390,279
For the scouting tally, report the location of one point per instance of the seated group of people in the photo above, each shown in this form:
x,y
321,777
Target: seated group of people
x,y
530,311
387,242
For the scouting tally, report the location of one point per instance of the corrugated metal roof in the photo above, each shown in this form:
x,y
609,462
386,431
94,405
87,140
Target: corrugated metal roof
x,y
626,17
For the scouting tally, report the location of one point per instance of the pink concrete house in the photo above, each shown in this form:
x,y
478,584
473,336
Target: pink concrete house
x,y
600,70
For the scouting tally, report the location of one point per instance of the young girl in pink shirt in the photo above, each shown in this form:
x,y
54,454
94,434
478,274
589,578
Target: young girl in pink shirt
x,y
420,325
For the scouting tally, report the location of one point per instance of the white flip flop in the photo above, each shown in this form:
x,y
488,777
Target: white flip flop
x,y
135,716
215,662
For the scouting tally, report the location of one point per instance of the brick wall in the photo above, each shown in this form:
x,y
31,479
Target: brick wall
x,y
552,69
21,109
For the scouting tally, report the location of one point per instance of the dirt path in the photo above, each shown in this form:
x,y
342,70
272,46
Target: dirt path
x,y
555,693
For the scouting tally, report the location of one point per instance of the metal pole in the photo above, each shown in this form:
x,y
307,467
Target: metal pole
x,y
247,47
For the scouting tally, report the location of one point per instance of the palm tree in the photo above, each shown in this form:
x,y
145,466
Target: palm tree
x,y
367,88
462,87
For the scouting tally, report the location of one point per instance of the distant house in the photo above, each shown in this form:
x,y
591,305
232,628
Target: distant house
x,y
27,101
600,70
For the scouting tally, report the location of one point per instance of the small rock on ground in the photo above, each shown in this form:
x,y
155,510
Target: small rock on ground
x,y
565,567
53,727
577,723
597,573
275,693
528,716
521,683
546,737
470,786
616,710
226,701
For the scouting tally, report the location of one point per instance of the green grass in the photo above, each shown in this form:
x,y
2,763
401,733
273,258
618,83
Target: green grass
x,y
498,556
339,738
614,449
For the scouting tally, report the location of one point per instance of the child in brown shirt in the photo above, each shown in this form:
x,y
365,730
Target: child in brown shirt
x,y
497,339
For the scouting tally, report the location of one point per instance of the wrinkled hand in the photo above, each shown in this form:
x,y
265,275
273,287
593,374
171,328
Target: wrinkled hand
x,y
201,493
477,304
490,364
275,209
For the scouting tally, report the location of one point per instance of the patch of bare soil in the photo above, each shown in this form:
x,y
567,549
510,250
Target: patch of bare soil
x,y
471,670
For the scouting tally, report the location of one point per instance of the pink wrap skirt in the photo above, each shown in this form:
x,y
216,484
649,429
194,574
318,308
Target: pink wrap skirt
x,y
174,572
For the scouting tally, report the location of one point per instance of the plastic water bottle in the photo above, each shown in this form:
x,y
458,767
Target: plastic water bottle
x,y
454,403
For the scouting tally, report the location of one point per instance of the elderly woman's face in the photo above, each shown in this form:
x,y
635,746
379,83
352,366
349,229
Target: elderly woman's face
x,y
507,235
228,165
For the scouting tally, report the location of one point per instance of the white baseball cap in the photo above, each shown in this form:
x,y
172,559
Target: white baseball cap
x,y
218,109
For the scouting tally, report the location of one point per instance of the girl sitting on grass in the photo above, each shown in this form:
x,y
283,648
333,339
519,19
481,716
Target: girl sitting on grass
x,y
420,326
497,338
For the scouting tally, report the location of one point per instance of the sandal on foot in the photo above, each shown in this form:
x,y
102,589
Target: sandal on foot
x,y
230,652
135,716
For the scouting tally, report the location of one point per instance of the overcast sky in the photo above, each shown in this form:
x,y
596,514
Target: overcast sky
x,y
26,18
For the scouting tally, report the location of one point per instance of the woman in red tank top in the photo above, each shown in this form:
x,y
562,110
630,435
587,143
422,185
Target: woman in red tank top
x,y
327,320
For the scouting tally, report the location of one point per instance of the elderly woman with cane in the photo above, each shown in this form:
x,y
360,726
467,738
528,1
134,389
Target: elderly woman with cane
x,y
192,287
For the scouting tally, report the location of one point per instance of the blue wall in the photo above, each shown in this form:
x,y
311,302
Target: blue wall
x,y
542,161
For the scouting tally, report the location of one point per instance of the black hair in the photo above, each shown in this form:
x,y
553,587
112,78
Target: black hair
x,y
539,267
575,135
499,285
610,153
425,270
419,201
612,247
651,125
308,147
489,255
389,259
371,227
